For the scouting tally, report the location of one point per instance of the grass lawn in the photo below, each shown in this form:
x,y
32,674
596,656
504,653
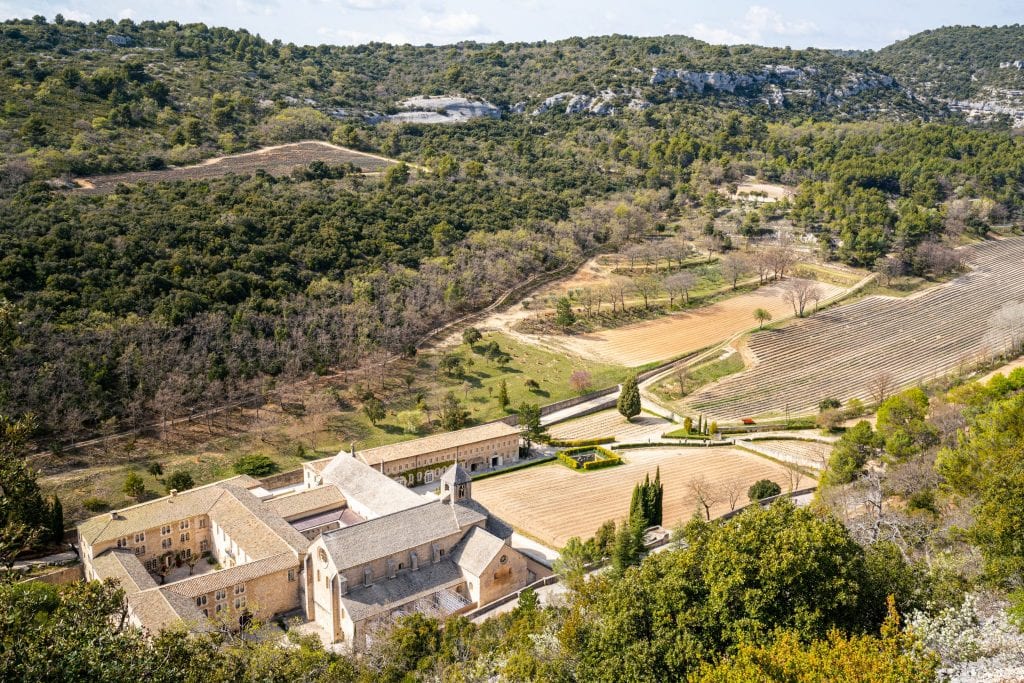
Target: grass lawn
x,y
697,377
325,428
479,388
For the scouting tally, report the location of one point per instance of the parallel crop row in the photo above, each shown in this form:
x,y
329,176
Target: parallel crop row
x,y
836,353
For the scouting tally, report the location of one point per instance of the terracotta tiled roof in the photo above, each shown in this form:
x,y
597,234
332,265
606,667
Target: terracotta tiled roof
x,y
436,442
477,549
194,586
254,525
123,565
154,513
385,536
307,502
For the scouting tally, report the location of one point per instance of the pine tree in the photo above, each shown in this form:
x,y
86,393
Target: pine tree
x,y
564,317
629,400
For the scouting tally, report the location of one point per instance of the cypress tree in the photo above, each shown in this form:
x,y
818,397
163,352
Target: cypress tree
x,y
56,521
637,505
629,400
659,492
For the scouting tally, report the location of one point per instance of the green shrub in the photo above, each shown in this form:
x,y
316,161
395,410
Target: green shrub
x,y
763,488
95,504
181,480
605,458
569,443
256,466
604,462
684,433
155,468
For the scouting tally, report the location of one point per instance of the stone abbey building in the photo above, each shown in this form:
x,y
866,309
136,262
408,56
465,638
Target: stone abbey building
x,y
347,546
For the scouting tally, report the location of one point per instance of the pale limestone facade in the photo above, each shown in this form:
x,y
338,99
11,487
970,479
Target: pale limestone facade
x,y
350,548
438,558
423,461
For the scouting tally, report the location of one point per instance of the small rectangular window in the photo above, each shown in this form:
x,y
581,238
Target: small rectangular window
x,y
204,546
165,529
122,543
183,524
140,537
140,550
185,537
202,522
221,594
166,543
291,574
239,588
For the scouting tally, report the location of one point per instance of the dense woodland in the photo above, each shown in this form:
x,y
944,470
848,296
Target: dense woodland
x,y
155,300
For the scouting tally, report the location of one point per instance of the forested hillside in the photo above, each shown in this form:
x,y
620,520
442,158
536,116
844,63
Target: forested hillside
x,y
175,93
157,298
958,62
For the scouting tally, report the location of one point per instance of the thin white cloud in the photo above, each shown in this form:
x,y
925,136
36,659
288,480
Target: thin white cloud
x,y
349,37
126,13
717,36
759,24
760,20
72,14
371,5
456,24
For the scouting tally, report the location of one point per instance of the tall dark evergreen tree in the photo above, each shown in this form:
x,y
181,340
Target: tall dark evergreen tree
x,y
56,521
629,399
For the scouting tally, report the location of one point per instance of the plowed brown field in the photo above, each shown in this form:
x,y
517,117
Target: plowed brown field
x,y
679,333
611,423
277,160
553,503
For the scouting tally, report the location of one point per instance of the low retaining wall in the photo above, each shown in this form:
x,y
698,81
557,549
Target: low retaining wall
x,y
60,575
767,501
276,481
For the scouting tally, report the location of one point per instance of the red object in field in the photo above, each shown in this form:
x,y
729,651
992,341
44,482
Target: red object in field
x,y
748,421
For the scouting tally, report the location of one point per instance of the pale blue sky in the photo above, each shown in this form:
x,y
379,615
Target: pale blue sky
x,y
797,23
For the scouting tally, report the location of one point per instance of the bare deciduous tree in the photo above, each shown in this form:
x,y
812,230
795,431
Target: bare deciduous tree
x,y
889,268
798,293
680,284
782,258
733,489
733,267
880,386
706,493
647,286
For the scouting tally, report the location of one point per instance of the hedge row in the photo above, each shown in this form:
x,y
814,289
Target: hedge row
x,y
605,462
683,434
581,442
606,458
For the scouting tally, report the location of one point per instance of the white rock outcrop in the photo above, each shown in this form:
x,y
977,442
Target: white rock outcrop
x,y
443,109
